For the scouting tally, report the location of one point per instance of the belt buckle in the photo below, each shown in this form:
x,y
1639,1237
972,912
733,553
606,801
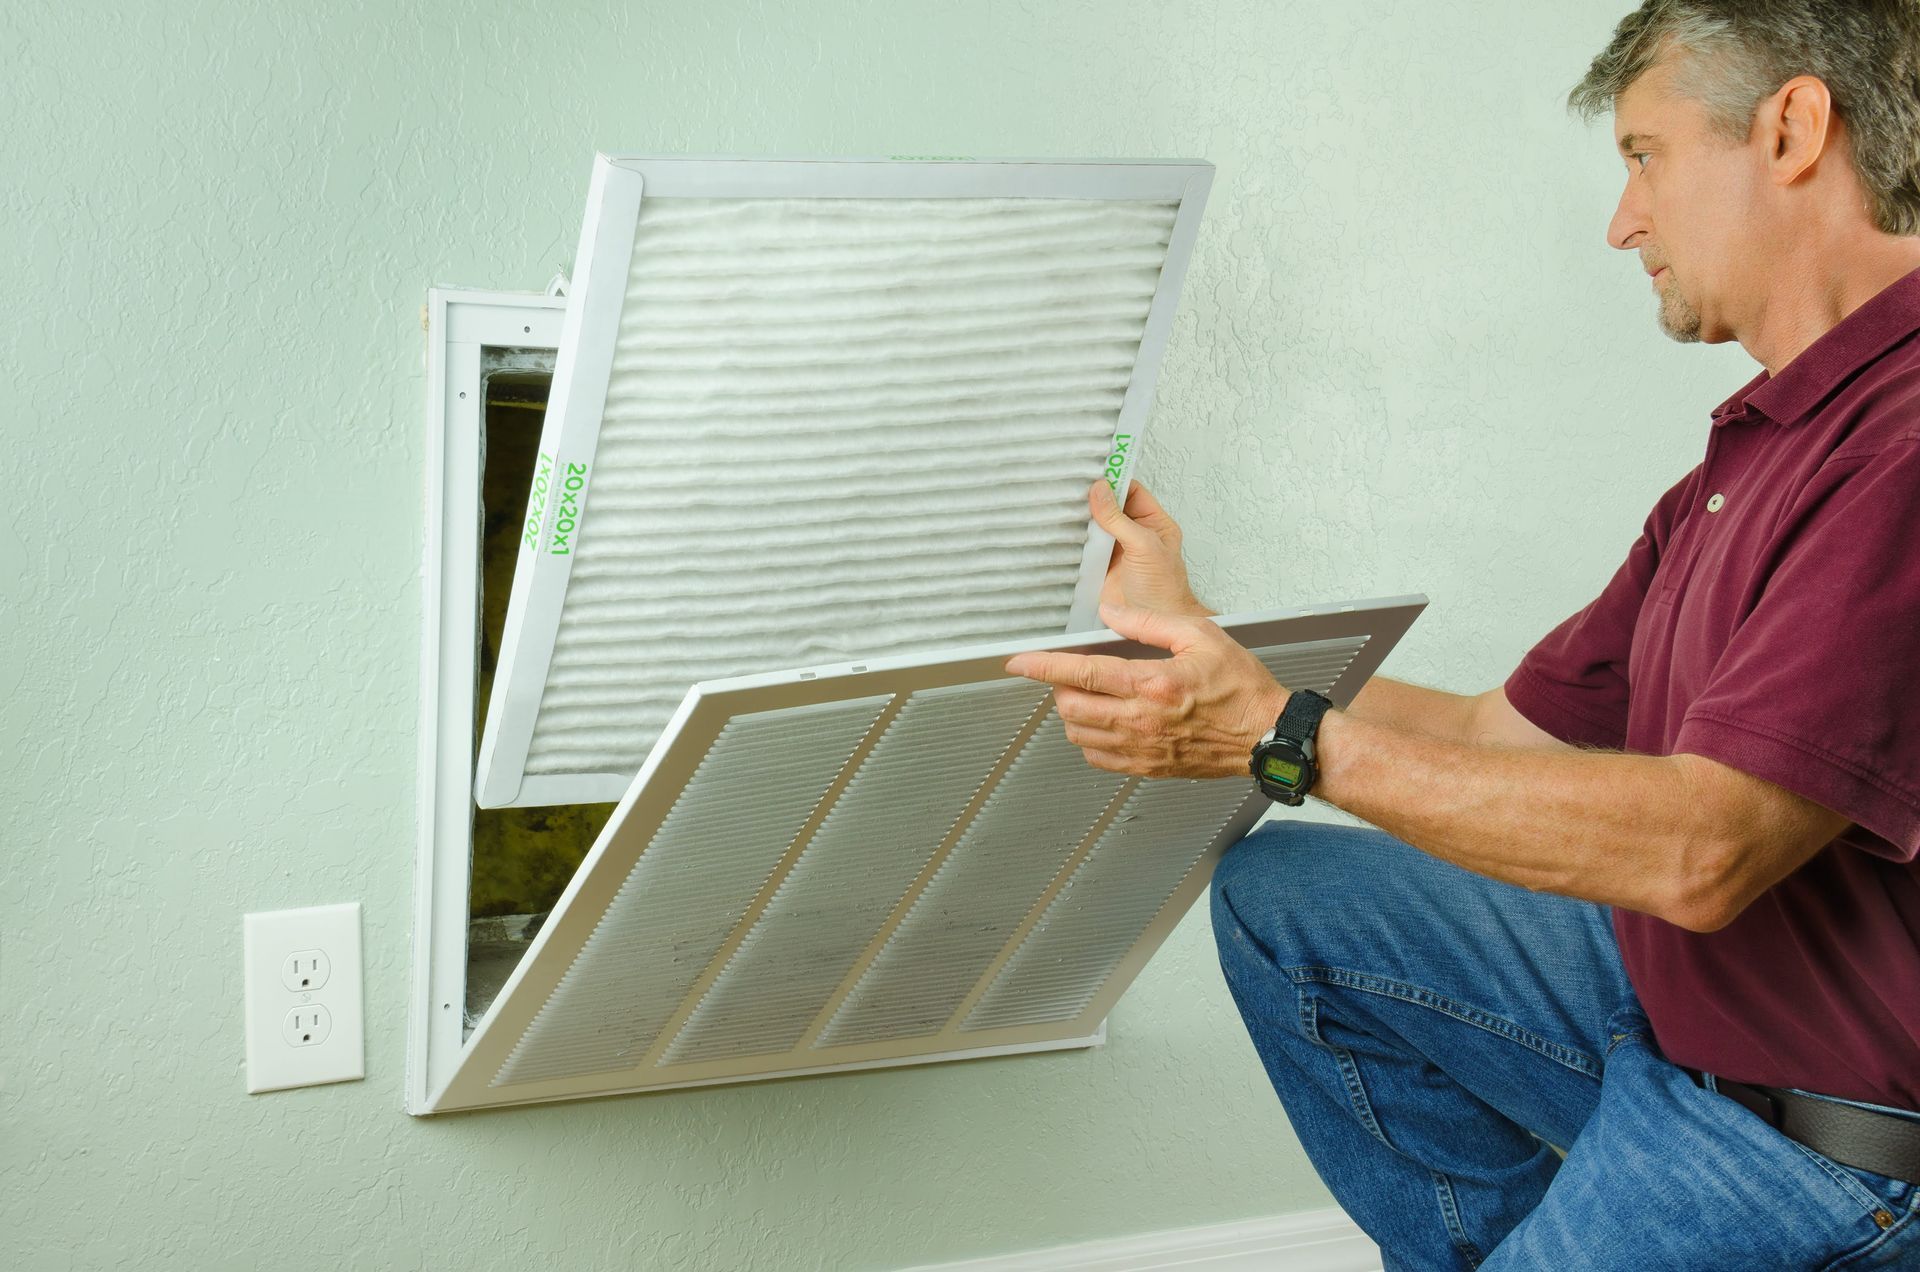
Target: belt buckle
x,y
1762,1104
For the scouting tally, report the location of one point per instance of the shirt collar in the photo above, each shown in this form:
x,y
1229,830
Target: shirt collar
x,y
1811,378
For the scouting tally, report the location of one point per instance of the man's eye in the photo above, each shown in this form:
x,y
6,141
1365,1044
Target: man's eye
x,y
1639,157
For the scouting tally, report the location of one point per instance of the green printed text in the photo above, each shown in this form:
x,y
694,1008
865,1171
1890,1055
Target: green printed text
x,y
572,488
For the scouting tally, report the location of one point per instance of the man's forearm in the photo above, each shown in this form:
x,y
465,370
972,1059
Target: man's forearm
x,y
1396,703
1405,706
1624,830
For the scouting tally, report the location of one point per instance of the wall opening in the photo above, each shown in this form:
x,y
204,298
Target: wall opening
x,y
522,857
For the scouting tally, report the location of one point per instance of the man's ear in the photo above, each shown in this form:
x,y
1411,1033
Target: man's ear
x,y
1797,124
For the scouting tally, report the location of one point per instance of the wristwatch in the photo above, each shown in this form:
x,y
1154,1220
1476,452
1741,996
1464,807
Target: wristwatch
x,y
1283,760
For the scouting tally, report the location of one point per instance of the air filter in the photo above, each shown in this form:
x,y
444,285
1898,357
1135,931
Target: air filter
x,y
807,411
858,866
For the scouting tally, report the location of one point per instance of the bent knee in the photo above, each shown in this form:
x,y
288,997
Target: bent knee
x,y
1287,880
1303,860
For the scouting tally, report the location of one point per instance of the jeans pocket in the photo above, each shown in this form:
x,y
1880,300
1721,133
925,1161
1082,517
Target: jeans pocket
x,y
1900,1195
1889,1199
1879,1200
1883,1199
1864,1205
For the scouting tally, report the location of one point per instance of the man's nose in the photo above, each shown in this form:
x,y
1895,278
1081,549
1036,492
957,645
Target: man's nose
x,y
1629,224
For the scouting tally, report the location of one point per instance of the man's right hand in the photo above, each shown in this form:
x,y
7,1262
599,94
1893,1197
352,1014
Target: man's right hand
x,y
1146,571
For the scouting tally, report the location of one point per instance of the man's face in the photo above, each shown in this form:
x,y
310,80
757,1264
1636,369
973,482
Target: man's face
x,y
1688,206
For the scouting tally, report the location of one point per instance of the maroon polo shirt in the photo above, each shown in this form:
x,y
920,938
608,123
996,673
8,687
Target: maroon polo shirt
x,y
1768,618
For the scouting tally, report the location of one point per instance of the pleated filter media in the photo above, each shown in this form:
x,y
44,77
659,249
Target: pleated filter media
x,y
878,875
839,429
833,428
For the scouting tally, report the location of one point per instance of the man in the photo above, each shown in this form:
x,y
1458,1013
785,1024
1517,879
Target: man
x,y
1655,899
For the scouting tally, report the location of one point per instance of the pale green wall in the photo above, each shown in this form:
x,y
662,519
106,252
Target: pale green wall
x,y
1404,361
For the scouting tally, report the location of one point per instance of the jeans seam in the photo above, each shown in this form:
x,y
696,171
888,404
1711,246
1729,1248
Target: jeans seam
x,y
1357,1093
1367,982
1450,1214
1613,1043
1349,1071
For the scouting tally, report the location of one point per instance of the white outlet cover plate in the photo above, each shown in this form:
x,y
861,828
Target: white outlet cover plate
x,y
269,938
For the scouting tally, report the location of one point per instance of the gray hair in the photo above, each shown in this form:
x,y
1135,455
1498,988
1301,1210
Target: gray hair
x,y
1867,53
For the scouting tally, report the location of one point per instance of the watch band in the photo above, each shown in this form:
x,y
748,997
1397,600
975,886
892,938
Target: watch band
x,y
1299,722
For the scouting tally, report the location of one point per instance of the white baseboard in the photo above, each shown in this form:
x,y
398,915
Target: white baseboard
x,y
1310,1241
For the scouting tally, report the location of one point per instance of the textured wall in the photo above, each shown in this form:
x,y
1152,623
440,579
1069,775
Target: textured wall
x,y
1405,361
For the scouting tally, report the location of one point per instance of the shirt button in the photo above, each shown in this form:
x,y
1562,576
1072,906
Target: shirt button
x,y
1716,502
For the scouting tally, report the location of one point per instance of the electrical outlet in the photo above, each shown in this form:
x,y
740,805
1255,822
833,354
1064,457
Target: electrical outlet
x,y
305,1023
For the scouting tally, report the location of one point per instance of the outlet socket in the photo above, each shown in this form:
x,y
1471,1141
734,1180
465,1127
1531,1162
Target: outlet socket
x,y
306,971
307,1026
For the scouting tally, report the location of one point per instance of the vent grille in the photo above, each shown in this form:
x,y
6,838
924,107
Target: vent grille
x,y
963,793
856,869
1033,823
1315,665
893,815
1163,830
716,848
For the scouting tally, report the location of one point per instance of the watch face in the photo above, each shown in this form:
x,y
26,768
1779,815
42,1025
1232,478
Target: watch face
x,y
1278,770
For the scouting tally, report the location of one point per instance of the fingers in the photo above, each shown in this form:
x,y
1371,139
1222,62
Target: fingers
x,y
1106,513
1143,530
1111,761
1143,508
1080,708
1095,673
1087,736
1173,632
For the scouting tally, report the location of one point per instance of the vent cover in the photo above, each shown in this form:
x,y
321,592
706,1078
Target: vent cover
x,y
781,387
845,869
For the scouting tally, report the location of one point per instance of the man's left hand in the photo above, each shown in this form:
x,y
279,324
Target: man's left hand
x,y
1196,714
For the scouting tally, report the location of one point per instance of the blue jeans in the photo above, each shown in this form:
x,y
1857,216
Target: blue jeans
x,y
1431,1032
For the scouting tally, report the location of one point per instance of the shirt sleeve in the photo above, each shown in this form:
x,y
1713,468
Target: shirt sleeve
x,y
1573,684
1817,690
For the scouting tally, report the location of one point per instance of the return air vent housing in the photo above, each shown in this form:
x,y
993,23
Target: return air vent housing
x,y
838,868
814,410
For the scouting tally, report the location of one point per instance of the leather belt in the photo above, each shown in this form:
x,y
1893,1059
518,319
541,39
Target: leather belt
x,y
1884,1143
